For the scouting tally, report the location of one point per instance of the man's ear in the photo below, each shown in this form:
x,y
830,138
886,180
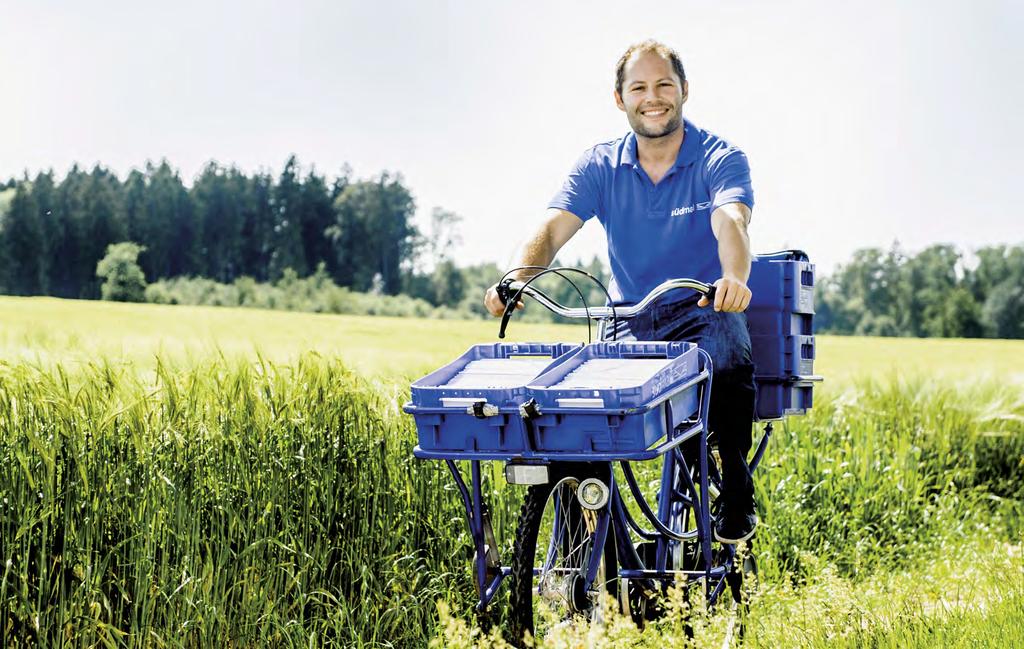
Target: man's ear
x,y
618,101
686,91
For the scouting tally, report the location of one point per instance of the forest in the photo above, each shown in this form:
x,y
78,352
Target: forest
x,y
301,240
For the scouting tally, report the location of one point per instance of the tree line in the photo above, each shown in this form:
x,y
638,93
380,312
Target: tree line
x,y
939,292
225,226
233,238
232,235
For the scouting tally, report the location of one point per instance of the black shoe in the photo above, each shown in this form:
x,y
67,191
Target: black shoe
x,y
735,523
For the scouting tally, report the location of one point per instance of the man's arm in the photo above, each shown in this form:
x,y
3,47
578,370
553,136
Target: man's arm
x,y
539,250
729,223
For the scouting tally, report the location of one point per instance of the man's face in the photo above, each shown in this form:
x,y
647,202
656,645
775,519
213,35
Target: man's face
x,y
652,96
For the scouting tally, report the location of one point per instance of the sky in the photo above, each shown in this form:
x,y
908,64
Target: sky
x,y
864,123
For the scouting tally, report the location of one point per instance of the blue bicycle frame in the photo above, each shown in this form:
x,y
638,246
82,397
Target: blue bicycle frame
x,y
684,489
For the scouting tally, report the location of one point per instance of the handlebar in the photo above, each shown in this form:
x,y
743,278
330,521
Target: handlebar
x,y
509,291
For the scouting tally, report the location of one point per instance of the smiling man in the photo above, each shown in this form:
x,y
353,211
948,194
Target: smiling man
x,y
675,201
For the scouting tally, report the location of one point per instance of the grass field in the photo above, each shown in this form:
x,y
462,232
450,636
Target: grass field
x,y
221,499
73,331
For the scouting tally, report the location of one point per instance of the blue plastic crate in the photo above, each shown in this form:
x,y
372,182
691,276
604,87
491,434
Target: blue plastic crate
x,y
776,399
781,321
615,396
765,322
494,374
782,283
783,357
782,300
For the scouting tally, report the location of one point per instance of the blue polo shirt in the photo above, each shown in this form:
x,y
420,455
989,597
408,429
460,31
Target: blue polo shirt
x,y
663,231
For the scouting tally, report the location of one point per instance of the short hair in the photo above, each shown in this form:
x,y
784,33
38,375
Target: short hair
x,y
649,45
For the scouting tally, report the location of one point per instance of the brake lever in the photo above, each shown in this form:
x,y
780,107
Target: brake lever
x,y
505,295
504,322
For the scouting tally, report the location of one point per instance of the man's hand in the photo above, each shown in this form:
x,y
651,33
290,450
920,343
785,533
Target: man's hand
x,y
493,302
731,295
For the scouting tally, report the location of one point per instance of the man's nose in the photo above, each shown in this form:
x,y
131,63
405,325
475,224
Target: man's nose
x,y
651,94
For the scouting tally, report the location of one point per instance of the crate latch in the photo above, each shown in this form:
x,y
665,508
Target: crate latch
x,y
482,410
529,410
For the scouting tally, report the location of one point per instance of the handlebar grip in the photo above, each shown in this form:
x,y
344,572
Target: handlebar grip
x,y
504,293
710,295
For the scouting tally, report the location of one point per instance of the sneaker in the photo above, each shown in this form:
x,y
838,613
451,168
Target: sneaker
x,y
735,524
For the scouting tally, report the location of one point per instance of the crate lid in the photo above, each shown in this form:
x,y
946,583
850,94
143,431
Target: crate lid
x,y
498,373
612,373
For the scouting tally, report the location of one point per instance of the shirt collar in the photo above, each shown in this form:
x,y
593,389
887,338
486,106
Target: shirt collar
x,y
689,152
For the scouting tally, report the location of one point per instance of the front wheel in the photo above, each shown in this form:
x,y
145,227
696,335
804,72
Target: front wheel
x,y
555,541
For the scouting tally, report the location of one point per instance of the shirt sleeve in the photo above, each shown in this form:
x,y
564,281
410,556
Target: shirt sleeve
x,y
729,177
579,194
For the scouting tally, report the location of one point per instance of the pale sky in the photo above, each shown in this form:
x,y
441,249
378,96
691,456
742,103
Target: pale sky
x,y
863,122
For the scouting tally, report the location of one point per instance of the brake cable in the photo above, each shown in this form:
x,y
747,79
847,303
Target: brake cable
x,y
544,270
511,302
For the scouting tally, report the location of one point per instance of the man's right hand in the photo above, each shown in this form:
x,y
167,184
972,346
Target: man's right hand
x,y
494,304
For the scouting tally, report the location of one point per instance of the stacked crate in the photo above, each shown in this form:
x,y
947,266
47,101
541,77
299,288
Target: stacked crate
x,y
781,319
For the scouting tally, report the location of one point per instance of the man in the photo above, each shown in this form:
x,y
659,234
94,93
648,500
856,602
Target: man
x,y
675,201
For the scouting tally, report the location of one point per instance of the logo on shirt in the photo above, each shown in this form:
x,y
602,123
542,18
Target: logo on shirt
x,y
689,209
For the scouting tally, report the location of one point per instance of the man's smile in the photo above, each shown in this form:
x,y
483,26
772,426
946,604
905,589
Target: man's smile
x,y
654,112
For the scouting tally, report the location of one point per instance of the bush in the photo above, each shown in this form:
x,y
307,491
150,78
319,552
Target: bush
x,y
1004,310
124,280
317,294
881,325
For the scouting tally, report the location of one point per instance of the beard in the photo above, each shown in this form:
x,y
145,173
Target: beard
x,y
636,122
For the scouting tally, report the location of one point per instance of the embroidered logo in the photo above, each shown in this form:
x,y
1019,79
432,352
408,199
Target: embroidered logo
x,y
683,211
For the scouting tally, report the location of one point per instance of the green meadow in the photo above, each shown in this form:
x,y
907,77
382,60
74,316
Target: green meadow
x,y
193,477
51,330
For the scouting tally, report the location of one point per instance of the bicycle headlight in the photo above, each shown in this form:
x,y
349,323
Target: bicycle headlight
x,y
592,494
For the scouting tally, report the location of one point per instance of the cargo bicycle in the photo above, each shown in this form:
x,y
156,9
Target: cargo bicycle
x,y
562,415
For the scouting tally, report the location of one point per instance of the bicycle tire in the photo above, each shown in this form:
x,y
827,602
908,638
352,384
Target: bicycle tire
x,y
525,586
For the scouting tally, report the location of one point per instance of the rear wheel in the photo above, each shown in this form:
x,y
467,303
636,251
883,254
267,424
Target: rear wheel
x,y
742,580
642,597
645,604
643,600
555,541
743,577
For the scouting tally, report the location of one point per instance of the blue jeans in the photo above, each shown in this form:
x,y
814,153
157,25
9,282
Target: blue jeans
x,y
725,337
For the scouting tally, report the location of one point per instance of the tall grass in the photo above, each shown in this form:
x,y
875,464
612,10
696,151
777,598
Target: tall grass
x,y
973,598
242,505
887,470
257,504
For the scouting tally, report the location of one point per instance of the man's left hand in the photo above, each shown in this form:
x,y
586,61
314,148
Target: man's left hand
x,y
731,295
